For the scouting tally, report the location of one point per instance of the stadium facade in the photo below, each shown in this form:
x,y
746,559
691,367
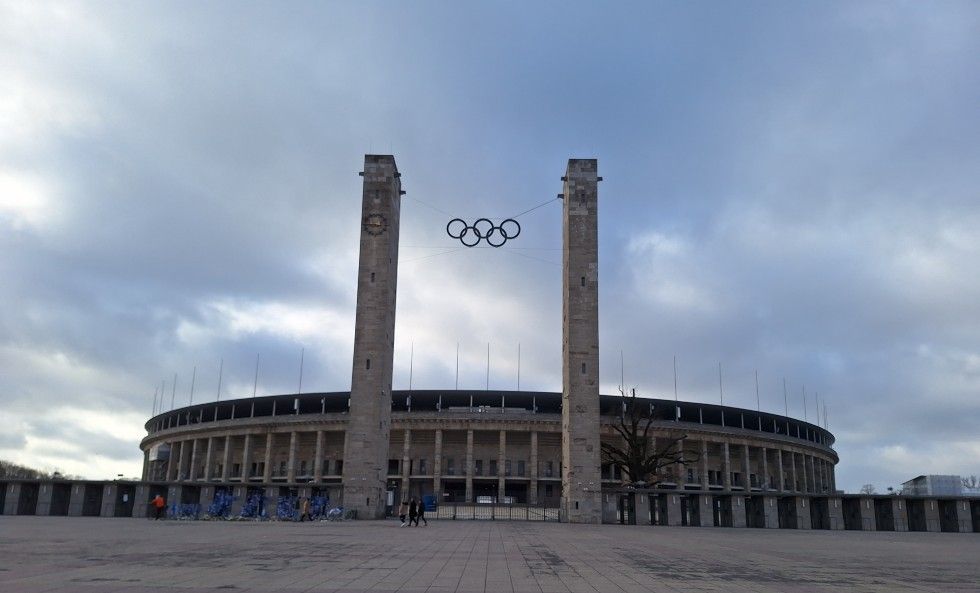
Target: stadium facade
x,y
371,447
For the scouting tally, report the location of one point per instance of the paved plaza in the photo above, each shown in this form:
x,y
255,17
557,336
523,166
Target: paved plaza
x,y
131,555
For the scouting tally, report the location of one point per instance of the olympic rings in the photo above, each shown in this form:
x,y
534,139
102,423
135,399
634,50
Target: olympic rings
x,y
470,235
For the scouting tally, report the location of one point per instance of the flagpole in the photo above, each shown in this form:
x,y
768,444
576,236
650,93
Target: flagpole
x,y
193,379
255,385
221,370
721,391
675,378
302,356
518,366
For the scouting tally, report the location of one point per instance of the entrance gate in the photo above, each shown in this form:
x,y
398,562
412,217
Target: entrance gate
x,y
627,509
755,511
690,511
787,513
884,515
852,514
723,511
658,509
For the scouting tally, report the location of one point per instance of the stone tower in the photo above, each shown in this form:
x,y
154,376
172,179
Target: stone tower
x,y
580,476
369,425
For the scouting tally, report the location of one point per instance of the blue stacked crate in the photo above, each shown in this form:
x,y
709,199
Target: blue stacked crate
x,y
220,508
253,507
319,505
286,508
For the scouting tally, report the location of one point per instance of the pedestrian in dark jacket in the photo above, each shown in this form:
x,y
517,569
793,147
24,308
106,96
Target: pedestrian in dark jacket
x,y
413,516
420,514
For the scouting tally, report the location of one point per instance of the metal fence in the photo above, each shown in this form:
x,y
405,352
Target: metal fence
x,y
495,512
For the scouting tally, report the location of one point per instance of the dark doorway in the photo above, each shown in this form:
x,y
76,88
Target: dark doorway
x,y
92,502
60,497
125,499
948,520
690,511
3,497
975,515
626,508
190,495
453,491
852,514
658,509
484,492
884,515
787,512
516,493
755,511
723,511
819,513
917,514
27,503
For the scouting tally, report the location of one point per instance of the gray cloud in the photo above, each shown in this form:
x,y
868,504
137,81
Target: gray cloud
x,y
787,189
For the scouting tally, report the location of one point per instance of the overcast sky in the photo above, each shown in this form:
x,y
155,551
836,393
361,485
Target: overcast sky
x,y
789,188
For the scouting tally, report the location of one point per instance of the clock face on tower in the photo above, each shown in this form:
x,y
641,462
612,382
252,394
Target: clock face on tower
x,y
375,223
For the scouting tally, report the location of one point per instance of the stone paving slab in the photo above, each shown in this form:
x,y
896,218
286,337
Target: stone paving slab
x,y
81,555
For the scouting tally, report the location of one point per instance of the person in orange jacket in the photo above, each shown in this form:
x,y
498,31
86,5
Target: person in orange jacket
x,y
158,504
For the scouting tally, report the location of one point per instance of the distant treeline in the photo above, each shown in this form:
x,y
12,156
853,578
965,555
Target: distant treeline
x,y
9,469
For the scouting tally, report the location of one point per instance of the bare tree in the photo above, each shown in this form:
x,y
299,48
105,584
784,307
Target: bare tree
x,y
643,463
868,489
971,482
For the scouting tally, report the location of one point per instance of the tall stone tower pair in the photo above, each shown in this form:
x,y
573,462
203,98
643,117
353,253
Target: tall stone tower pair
x,y
368,431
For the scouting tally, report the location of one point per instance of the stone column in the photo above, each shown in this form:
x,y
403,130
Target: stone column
x,y
764,482
180,462
437,467
209,451
226,460
581,481
406,465
318,458
782,474
532,494
246,457
291,464
682,466
369,427
469,466
747,474
146,465
267,473
193,472
171,466
792,456
726,460
704,465
806,482
502,466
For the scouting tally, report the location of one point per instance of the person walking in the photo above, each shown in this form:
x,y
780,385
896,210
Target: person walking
x,y
304,510
158,505
402,511
413,513
420,514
